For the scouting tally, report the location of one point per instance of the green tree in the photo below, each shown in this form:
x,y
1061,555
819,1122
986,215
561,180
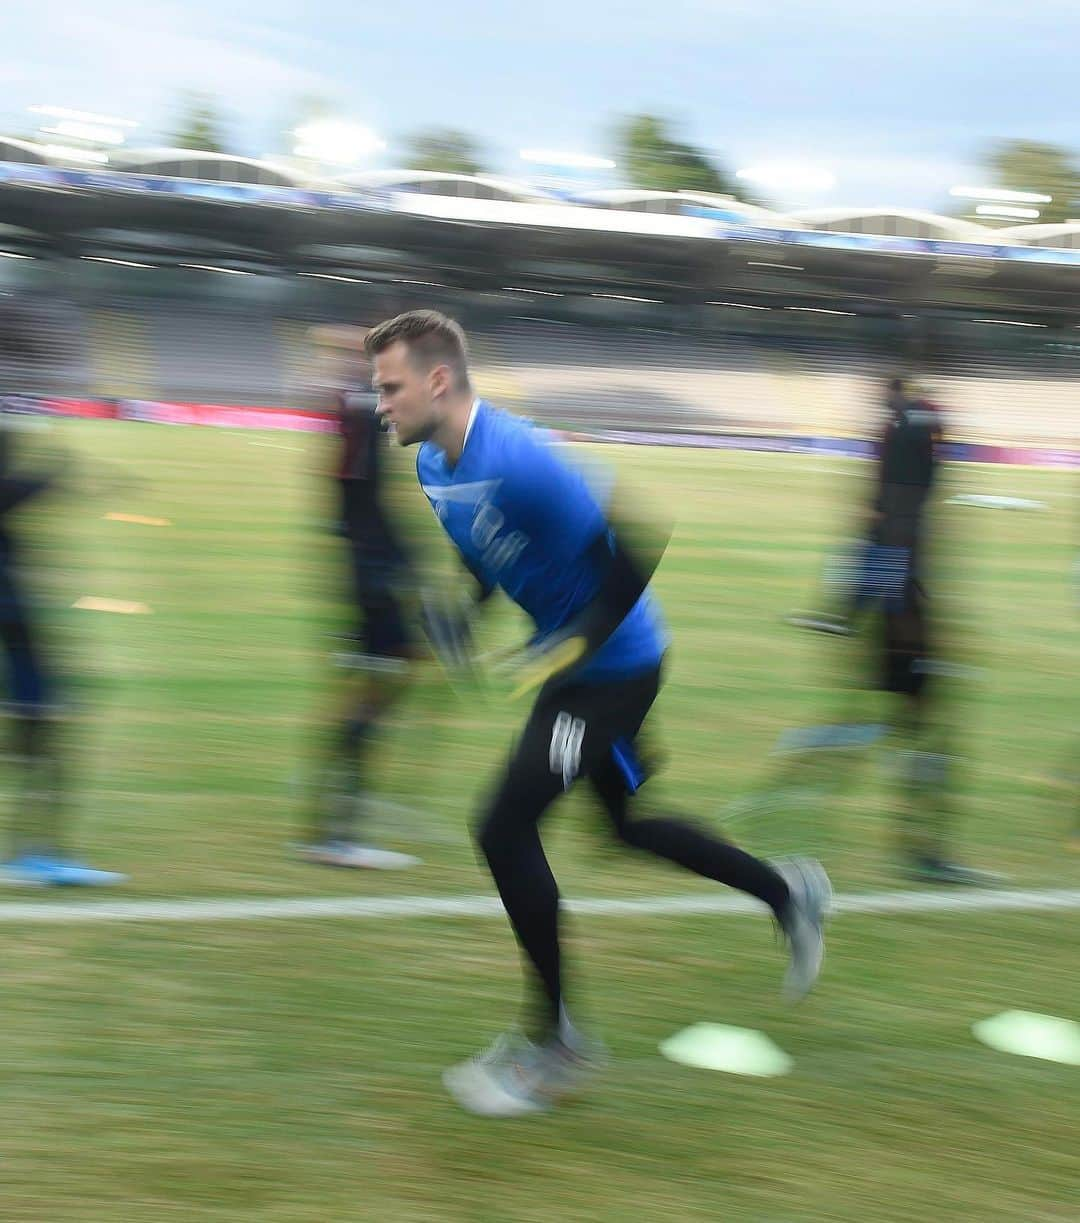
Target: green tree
x,y
1048,169
200,125
652,158
443,149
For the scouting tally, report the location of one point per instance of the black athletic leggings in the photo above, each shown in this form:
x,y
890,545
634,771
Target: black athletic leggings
x,y
589,730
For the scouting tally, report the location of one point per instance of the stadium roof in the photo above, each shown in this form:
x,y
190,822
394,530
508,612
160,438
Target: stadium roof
x,y
501,233
1064,234
207,167
894,222
23,151
469,186
672,202
884,220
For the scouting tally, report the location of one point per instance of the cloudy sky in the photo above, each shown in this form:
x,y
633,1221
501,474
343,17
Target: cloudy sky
x,y
898,106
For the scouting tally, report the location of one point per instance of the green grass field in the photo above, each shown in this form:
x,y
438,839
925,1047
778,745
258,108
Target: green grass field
x,y
289,1070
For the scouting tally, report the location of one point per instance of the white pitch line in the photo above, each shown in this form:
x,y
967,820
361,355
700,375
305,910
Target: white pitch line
x,y
67,913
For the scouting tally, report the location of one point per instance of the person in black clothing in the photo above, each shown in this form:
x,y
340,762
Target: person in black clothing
x,y
887,572
892,574
377,558
37,854
888,597
379,644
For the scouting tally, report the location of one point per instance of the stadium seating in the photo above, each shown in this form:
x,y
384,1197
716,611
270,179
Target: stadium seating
x,y
45,352
207,355
576,376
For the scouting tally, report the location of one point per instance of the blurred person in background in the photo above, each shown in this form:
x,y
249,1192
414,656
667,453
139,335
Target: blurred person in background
x,y
526,522
38,852
888,573
887,596
378,643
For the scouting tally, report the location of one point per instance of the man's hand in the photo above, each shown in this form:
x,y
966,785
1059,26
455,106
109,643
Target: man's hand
x,y
447,624
545,661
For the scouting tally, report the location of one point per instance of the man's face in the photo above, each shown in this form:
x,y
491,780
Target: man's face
x,y
895,400
408,397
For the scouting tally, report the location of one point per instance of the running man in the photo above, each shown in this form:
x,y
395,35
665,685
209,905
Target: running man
x,y
526,522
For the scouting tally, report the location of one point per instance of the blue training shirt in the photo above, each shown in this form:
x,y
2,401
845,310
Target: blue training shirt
x,y
524,520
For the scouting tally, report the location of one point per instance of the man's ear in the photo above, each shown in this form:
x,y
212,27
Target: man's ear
x,y
439,380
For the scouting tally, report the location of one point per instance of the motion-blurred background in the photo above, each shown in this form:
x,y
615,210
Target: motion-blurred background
x,y
697,239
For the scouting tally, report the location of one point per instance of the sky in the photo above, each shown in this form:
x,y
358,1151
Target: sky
x,y
898,107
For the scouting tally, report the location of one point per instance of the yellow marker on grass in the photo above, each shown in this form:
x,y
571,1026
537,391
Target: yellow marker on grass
x,y
139,519
122,606
1028,1034
716,1046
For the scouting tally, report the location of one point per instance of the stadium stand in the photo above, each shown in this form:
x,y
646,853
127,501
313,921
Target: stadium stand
x,y
204,355
573,375
44,349
122,364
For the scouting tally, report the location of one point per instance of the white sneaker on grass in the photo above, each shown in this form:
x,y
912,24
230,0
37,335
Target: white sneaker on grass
x,y
804,923
515,1077
357,857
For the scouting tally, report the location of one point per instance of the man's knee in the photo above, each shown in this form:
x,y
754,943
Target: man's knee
x,y
627,833
513,813
499,829
490,835
616,802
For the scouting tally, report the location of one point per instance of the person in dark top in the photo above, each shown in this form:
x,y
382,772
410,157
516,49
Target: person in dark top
x,y
887,599
37,854
892,574
377,558
378,640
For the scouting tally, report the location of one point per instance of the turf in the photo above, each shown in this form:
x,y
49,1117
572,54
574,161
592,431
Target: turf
x,y
289,1070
